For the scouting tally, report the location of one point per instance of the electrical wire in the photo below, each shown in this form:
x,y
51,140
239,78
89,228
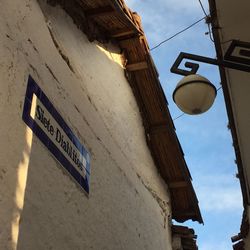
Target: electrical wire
x,y
203,9
219,88
178,116
210,33
207,21
178,33
190,26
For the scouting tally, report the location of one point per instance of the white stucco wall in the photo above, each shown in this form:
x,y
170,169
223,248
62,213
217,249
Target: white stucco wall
x,y
40,205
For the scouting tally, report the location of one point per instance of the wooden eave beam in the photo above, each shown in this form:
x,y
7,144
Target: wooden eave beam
x,y
188,236
236,237
177,184
137,66
191,246
101,11
158,127
120,11
122,33
183,214
239,245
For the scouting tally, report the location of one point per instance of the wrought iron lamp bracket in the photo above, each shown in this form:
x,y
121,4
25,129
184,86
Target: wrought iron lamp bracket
x,y
239,61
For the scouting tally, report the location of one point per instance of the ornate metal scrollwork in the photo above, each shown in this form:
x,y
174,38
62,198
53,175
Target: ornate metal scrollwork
x,y
239,62
244,52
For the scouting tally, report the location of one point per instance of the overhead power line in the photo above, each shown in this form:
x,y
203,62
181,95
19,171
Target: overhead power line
x,y
203,9
178,33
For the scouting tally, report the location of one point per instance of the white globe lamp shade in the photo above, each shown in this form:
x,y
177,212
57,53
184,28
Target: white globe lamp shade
x,y
194,94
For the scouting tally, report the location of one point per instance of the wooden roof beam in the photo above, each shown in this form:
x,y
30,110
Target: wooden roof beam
x,y
183,214
178,184
239,245
101,11
122,33
160,127
137,66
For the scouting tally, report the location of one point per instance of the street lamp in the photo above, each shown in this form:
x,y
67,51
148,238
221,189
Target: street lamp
x,y
195,94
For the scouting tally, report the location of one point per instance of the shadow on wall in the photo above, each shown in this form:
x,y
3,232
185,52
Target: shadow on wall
x,y
15,150
16,140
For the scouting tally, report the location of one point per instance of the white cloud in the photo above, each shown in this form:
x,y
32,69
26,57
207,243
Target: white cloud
x,y
175,5
219,199
219,193
163,18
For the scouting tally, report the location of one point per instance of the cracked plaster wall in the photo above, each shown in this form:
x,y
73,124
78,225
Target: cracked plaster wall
x,y
40,206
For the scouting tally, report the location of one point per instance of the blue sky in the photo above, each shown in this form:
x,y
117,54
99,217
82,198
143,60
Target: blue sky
x,y
205,139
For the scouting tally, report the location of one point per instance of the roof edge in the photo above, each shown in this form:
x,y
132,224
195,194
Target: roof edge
x,y
141,73
227,99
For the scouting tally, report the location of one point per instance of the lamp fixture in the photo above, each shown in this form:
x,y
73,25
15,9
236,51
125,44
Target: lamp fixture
x,y
195,94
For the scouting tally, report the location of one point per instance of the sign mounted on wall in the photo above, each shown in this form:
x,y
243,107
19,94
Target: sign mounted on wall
x,y
49,126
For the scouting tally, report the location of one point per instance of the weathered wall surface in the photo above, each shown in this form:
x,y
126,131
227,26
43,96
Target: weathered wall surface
x,y
247,239
40,205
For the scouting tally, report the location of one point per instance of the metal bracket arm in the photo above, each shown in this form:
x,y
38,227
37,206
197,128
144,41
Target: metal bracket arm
x,y
239,62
